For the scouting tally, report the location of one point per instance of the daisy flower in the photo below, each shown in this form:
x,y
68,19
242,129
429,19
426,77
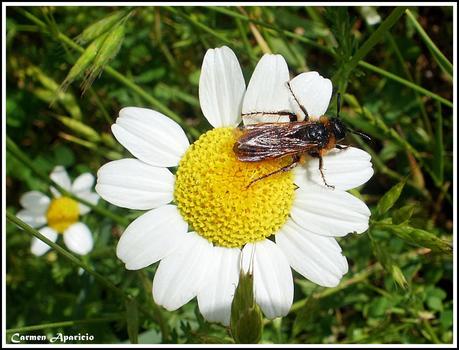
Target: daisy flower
x,y
203,224
60,214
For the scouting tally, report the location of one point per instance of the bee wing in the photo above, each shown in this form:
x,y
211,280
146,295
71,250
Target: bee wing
x,y
267,95
271,140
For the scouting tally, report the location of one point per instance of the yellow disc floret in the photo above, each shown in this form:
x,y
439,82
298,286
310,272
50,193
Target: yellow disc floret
x,y
62,212
212,194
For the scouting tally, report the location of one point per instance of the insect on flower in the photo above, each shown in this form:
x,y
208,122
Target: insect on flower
x,y
264,141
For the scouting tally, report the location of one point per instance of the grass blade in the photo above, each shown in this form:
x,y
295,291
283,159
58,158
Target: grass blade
x,y
442,61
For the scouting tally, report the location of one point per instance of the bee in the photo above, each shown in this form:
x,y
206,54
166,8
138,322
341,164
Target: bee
x,y
295,139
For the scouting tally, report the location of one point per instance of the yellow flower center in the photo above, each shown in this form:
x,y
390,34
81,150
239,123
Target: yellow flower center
x,y
62,212
212,195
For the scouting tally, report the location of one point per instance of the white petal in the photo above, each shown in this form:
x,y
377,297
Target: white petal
x,y
61,177
345,169
180,275
151,237
35,201
130,183
38,247
313,92
221,87
31,218
78,238
267,91
272,277
83,183
329,212
150,136
91,197
217,292
316,257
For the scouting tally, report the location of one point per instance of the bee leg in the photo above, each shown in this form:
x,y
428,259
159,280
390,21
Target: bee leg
x,y
321,163
299,104
293,164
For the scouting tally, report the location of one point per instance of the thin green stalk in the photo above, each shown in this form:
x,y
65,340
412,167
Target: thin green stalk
x,y
115,74
405,82
401,60
287,33
15,220
17,153
374,38
197,24
442,61
64,324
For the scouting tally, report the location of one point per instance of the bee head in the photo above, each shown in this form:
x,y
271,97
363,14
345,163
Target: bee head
x,y
339,128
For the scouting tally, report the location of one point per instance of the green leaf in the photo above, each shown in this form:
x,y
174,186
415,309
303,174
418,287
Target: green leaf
x,y
132,319
388,200
418,237
435,303
403,215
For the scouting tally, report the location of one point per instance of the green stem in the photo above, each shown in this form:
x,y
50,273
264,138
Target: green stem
x,y
401,60
405,82
198,24
443,62
17,153
13,219
374,38
115,74
298,37
64,324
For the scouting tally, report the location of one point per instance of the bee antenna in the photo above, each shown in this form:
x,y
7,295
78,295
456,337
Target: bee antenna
x,y
365,136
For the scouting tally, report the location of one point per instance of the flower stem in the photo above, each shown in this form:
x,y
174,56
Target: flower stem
x,y
15,220
21,156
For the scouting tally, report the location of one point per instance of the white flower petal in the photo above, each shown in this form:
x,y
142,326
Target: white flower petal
x,y
180,275
91,197
221,87
329,212
217,292
61,177
38,247
272,277
313,92
267,91
130,183
151,237
78,238
35,201
150,136
31,218
83,183
345,169
316,257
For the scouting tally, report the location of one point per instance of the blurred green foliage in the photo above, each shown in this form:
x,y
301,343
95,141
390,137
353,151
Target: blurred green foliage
x,y
399,287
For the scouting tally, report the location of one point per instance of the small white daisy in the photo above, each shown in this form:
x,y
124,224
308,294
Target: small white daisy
x,y
60,214
229,223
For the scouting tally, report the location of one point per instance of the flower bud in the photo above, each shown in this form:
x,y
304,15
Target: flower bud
x,y
246,317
